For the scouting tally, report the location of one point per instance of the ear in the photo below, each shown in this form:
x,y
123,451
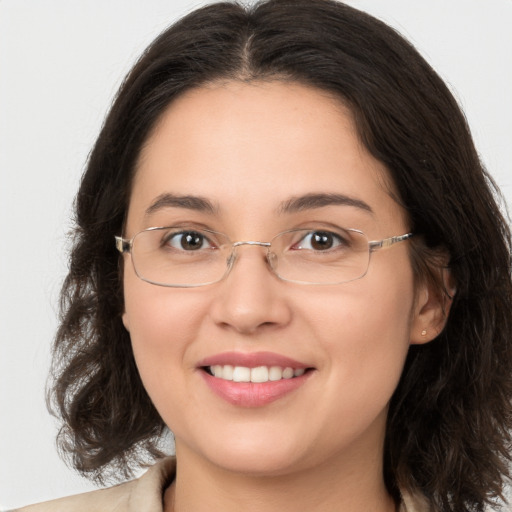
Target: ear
x,y
126,321
432,307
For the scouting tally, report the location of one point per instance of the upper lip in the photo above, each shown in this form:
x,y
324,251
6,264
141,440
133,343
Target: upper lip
x,y
252,360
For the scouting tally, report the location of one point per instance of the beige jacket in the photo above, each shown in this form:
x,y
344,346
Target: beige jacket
x,y
144,495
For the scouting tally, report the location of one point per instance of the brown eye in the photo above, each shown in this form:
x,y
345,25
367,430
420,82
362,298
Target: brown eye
x,y
320,241
188,241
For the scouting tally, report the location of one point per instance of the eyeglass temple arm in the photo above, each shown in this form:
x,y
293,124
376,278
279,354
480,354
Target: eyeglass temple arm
x,y
388,242
123,245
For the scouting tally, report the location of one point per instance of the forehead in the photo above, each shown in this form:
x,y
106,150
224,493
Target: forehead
x,y
239,117
258,144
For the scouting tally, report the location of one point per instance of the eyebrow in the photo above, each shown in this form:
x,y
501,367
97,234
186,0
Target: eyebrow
x,y
312,201
292,205
188,202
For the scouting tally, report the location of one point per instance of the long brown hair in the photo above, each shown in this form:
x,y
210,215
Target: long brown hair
x,y
448,433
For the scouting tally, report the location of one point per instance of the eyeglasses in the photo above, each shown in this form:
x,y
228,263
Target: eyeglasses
x,y
185,256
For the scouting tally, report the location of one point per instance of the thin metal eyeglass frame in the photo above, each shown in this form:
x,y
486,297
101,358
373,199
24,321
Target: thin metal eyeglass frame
x,y
124,246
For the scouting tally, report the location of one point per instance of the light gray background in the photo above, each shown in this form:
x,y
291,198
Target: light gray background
x,y
61,62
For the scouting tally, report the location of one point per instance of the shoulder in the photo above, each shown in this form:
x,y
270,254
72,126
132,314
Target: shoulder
x,y
103,500
141,495
413,503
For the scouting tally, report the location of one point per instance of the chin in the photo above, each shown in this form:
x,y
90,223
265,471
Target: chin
x,y
251,455
258,463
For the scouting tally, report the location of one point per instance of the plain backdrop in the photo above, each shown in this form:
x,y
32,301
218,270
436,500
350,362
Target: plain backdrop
x,y
61,62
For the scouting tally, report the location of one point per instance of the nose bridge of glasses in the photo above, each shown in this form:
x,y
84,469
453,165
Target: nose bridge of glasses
x,y
233,256
250,242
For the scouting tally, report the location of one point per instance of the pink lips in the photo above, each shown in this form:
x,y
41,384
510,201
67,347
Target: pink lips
x,y
251,360
250,394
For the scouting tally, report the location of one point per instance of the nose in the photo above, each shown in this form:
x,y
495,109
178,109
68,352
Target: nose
x,y
250,298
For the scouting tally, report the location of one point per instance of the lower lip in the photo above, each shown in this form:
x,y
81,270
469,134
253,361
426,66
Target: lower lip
x,y
252,394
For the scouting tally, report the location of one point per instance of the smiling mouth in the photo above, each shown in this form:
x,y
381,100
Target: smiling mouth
x,y
259,374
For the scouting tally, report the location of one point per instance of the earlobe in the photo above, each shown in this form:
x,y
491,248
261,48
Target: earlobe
x,y
431,309
126,323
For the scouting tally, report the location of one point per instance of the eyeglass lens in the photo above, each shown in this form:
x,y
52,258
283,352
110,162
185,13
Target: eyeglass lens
x,y
184,256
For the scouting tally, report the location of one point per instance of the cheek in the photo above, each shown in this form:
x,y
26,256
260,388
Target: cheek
x,y
163,324
364,330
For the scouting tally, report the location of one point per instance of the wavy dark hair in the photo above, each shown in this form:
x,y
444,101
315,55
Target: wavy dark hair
x,y
449,427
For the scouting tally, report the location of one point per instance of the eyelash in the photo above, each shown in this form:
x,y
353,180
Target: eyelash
x,y
323,236
168,238
330,240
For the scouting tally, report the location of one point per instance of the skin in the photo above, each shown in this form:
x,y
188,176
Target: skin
x,y
247,148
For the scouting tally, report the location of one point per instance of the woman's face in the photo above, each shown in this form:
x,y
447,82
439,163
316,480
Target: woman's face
x,y
250,152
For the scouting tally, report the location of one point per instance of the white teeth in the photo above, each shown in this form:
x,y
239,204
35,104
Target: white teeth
x,y
275,373
241,374
258,374
287,373
227,372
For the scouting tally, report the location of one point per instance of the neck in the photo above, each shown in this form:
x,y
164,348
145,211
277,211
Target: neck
x,y
339,484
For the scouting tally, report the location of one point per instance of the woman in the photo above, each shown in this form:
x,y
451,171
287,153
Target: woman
x,y
287,253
